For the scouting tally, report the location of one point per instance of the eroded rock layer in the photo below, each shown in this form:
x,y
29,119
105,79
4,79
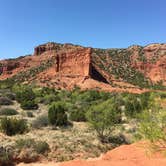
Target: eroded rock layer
x,y
68,65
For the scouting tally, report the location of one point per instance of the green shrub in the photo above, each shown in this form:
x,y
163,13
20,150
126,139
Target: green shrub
x,y
12,126
40,121
48,99
163,95
87,96
10,95
103,117
24,143
132,106
57,114
77,115
135,104
5,101
24,94
26,97
152,125
41,92
40,147
6,158
29,105
30,114
91,95
8,111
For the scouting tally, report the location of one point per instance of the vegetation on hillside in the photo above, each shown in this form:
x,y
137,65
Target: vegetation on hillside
x,y
118,63
87,122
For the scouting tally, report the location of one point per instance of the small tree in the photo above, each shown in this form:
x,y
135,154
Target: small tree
x,y
103,118
57,114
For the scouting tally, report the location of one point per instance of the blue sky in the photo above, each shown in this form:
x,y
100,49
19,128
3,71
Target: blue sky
x,y
25,24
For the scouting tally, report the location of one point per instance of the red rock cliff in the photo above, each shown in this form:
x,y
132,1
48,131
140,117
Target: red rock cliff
x,y
69,60
67,65
154,64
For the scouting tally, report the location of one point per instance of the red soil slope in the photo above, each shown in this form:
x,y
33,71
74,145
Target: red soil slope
x,y
125,155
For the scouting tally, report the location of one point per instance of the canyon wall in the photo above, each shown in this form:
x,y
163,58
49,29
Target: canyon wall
x,y
151,62
71,64
69,60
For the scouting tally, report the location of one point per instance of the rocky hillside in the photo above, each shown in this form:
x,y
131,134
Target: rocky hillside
x,y
67,65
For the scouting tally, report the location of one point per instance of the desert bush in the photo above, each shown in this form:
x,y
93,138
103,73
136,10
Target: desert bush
x,y
105,95
77,115
10,95
5,101
29,105
40,121
135,104
26,97
118,140
27,155
103,117
91,95
57,114
24,94
24,143
29,114
13,126
48,99
163,95
41,92
132,106
87,96
5,157
40,147
152,125
8,111
6,84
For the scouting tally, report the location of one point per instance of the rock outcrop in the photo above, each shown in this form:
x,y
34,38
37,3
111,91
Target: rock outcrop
x,y
69,60
7,67
68,65
152,63
46,47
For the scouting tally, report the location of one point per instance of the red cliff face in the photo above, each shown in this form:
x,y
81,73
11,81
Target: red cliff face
x,y
67,65
69,59
7,67
46,47
154,64
75,62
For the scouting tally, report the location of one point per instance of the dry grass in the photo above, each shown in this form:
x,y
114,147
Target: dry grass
x,y
65,144
74,142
